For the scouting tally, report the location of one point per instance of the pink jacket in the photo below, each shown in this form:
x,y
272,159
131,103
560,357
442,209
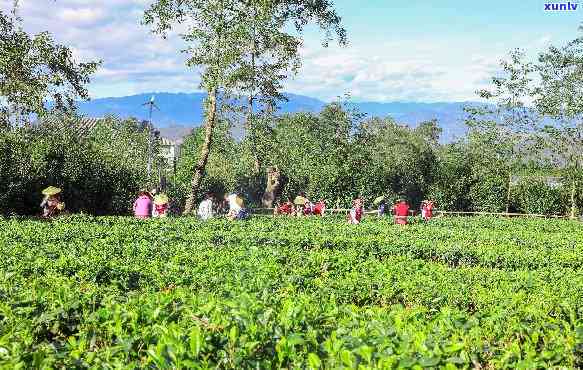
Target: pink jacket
x,y
143,207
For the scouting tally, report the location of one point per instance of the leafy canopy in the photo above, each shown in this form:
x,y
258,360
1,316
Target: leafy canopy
x,y
37,75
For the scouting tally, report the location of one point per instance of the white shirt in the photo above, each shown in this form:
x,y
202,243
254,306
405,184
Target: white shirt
x,y
233,206
353,219
205,209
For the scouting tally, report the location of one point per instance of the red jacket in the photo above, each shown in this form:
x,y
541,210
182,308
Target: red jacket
x,y
401,209
161,209
355,215
285,209
428,208
319,208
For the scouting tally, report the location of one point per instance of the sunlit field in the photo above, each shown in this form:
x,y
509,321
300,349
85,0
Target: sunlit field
x,y
291,293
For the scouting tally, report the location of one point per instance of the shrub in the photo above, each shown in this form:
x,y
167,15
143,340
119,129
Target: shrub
x,y
536,196
95,173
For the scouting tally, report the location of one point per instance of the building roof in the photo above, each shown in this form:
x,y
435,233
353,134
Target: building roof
x,y
83,125
167,142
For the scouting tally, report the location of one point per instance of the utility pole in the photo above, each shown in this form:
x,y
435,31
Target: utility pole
x,y
151,105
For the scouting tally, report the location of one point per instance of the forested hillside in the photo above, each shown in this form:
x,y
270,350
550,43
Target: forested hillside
x,y
187,110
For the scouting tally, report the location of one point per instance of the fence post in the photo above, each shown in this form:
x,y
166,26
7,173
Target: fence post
x,y
573,193
508,193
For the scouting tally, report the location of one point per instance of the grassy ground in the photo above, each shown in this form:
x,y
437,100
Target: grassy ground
x,y
269,293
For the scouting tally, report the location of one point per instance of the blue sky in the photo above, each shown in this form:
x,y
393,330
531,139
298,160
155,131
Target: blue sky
x,y
408,50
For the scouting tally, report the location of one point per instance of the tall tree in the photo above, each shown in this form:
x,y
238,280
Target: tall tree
x,y
494,155
37,75
221,173
559,95
219,34
393,159
271,53
553,85
504,133
212,36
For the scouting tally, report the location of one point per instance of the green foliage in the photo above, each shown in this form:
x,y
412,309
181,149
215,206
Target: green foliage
x,y
337,156
35,72
253,42
241,47
222,171
453,179
313,152
488,193
476,171
535,196
290,293
394,159
99,172
554,85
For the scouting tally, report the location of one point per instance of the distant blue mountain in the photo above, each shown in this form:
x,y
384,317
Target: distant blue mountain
x,y
181,111
175,109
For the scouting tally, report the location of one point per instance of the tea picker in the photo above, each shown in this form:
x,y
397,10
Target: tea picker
x,y
236,207
205,209
52,205
160,208
401,211
355,215
381,203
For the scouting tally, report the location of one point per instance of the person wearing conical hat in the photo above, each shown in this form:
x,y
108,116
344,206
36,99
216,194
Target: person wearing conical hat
x,y
236,207
299,202
381,203
160,207
52,205
303,205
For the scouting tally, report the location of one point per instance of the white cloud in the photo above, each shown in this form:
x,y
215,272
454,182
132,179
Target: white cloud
x,y
136,61
403,71
81,16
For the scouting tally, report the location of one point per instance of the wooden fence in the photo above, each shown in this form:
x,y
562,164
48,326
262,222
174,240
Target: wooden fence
x,y
332,210
444,213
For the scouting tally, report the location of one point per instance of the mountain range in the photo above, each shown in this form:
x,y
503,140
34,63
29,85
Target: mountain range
x,y
179,112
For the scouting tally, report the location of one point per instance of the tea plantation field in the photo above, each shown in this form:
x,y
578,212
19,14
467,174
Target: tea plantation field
x,y
479,293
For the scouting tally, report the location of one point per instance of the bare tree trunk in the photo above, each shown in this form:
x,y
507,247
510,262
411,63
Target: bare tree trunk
x,y
272,187
204,153
508,193
573,203
250,101
257,163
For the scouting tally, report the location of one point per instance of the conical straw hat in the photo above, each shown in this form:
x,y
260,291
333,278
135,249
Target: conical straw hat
x,y
161,199
300,201
239,201
51,190
378,200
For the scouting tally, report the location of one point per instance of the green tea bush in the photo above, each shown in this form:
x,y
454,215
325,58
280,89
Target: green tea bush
x,y
537,197
86,292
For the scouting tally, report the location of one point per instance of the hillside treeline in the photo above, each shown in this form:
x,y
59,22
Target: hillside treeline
x,y
100,170
335,155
